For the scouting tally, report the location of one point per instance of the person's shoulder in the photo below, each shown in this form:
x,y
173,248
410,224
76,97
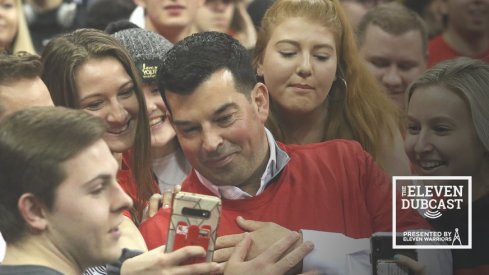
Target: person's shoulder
x,y
437,40
27,270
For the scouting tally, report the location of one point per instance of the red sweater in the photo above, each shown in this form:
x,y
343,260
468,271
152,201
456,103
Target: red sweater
x,y
439,50
125,178
332,186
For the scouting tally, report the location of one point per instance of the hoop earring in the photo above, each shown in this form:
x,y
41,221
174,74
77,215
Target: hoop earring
x,y
342,81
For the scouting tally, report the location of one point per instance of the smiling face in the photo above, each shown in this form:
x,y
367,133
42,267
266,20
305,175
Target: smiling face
x,y
224,138
299,66
87,209
441,139
106,90
8,23
394,68
468,16
162,131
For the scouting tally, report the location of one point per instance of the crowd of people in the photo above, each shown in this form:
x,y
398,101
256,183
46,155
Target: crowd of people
x,y
298,121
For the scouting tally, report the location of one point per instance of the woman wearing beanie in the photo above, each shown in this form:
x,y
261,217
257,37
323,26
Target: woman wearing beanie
x,y
147,49
89,70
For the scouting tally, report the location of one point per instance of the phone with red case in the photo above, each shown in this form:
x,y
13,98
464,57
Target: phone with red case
x,y
194,221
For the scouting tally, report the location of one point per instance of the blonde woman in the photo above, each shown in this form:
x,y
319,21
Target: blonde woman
x,y
320,88
14,36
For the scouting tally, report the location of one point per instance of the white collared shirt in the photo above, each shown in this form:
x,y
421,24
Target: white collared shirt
x,y
276,162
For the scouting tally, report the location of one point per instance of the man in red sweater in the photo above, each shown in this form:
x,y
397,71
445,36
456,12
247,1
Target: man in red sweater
x,y
330,190
465,33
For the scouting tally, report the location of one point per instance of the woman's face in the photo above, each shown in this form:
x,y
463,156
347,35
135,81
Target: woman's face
x,y
299,65
107,91
441,139
8,23
161,130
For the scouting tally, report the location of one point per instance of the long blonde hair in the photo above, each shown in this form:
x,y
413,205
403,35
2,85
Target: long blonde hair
x,y
358,108
22,41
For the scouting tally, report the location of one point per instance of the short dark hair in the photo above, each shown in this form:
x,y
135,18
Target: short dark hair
x,y
395,19
193,60
19,66
34,142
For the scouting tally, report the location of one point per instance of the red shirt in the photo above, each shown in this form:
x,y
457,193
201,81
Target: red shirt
x,y
439,50
125,178
332,186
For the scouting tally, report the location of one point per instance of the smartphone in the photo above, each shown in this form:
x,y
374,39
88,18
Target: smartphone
x,y
382,254
194,221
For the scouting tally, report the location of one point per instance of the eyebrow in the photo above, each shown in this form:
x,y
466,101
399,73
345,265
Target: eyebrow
x,y
295,43
219,111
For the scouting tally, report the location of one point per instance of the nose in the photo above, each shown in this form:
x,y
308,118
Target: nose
x,y
392,77
304,67
117,113
423,143
120,200
211,140
151,105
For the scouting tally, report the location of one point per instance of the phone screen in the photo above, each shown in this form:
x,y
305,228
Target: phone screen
x,y
382,255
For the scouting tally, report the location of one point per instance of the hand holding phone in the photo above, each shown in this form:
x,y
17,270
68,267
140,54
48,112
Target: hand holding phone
x,y
382,255
194,221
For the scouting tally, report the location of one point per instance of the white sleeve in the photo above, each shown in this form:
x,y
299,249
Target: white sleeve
x,y
335,253
3,247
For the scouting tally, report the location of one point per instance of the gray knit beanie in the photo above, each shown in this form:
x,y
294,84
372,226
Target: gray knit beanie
x,y
146,48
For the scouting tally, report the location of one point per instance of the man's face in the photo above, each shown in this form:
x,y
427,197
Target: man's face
x,y
21,94
215,15
396,60
468,16
170,14
220,131
87,211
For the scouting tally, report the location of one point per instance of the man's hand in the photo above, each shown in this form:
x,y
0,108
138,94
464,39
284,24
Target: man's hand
x,y
157,261
272,261
263,234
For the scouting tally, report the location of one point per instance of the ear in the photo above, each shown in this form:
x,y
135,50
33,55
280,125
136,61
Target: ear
x,y
33,212
260,100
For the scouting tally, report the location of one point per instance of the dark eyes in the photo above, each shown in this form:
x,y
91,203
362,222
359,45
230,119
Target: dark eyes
x,y
126,93
95,105
413,129
440,130
225,120
221,121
